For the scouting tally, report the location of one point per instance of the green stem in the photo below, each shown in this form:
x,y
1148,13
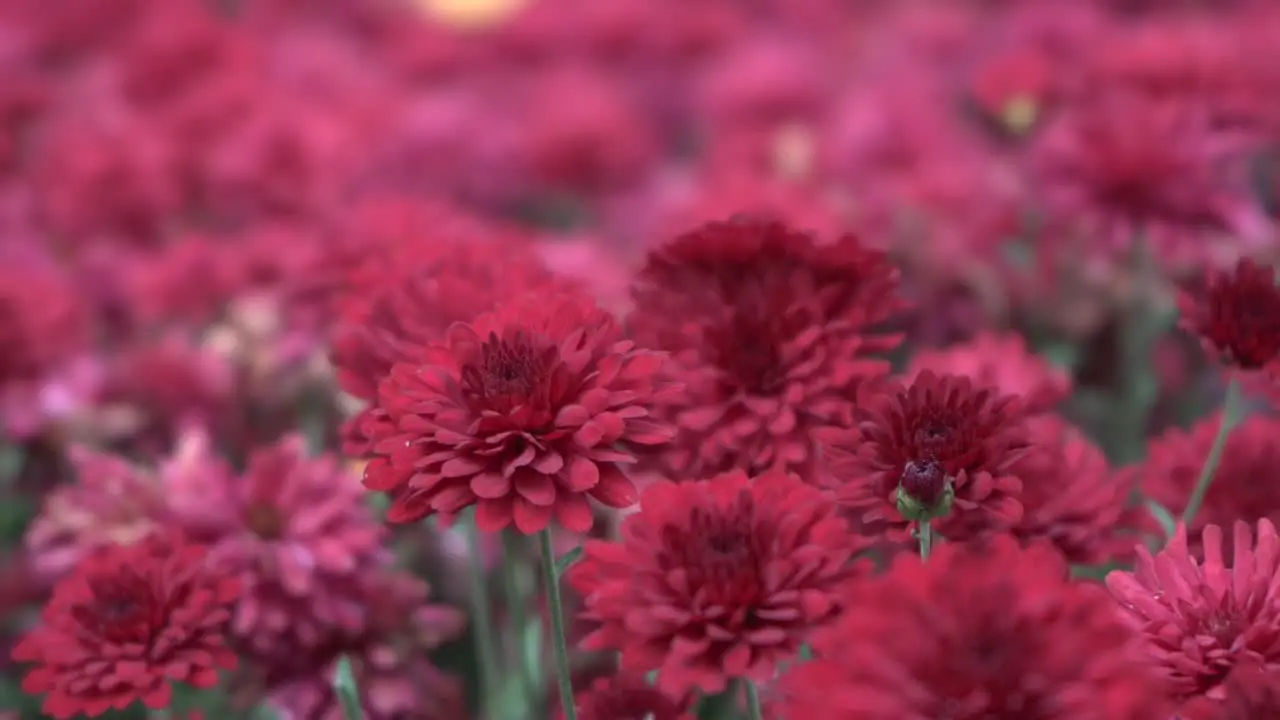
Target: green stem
x,y
1137,389
348,690
753,702
926,539
564,677
513,589
481,618
1231,413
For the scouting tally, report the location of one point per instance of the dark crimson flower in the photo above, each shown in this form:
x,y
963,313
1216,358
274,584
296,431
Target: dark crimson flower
x,y
389,657
1201,617
399,310
1251,692
1003,362
627,697
126,623
1070,496
1238,317
525,413
717,580
982,630
1174,461
770,331
971,436
293,528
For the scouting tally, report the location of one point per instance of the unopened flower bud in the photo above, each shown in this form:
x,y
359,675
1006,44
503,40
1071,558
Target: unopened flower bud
x,y
924,491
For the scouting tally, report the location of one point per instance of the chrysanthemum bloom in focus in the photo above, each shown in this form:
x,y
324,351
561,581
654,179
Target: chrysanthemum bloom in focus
x,y
1070,497
1237,318
1250,692
1175,459
1201,617
980,630
44,326
295,529
717,580
1003,362
127,623
942,444
525,413
390,657
770,331
397,310
1118,167
627,697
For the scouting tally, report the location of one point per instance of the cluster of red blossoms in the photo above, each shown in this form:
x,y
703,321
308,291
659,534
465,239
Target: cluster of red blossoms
x,y
640,359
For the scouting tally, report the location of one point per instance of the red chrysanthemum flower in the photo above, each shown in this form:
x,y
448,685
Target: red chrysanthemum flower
x,y
1238,317
1175,459
627,697
1201,617
130,620
937,435
1251,692
389,658
981,630
1070,497
293,528
407,307
1003,362
525,413
717,580
770,331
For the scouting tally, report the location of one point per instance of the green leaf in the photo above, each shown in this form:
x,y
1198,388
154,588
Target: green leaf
x,y
567,560
344,683
1167,521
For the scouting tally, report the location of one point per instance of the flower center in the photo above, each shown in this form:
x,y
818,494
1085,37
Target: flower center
x,y
718,551
747,349
120,608
510,370
266,521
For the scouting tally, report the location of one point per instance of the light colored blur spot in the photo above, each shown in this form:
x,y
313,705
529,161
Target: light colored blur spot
x,y
470,14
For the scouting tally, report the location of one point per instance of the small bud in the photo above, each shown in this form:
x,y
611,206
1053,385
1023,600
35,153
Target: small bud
x,y
925,492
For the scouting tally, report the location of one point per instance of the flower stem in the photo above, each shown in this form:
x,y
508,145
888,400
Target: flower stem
x,y
514,589
481,619
926,539
556,608
1231,414
753,702
348,690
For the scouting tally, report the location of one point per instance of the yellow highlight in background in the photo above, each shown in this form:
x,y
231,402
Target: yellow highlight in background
x,y
470,14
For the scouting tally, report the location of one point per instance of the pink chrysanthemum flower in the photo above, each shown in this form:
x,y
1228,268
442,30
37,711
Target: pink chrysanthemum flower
x,y
294,528
1238,317
131,620
771,332
717,580
1203,616
1002,362
1250,692
525,413
389,658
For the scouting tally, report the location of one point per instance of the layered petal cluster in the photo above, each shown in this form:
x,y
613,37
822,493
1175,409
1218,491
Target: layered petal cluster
x,y
1175,459
936,432
397,310
770,331
1201,616
1237,318
295,529
1003,362
717,580
982,630
525,413
111,503
129,621
1070,496
1250,692
627,697
389,657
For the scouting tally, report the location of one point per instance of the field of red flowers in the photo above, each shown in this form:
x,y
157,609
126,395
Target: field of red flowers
x,y
640,359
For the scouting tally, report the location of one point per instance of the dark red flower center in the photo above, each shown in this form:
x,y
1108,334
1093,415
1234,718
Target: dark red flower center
x,y
718,551
121,609
266,521
747,350
508,373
